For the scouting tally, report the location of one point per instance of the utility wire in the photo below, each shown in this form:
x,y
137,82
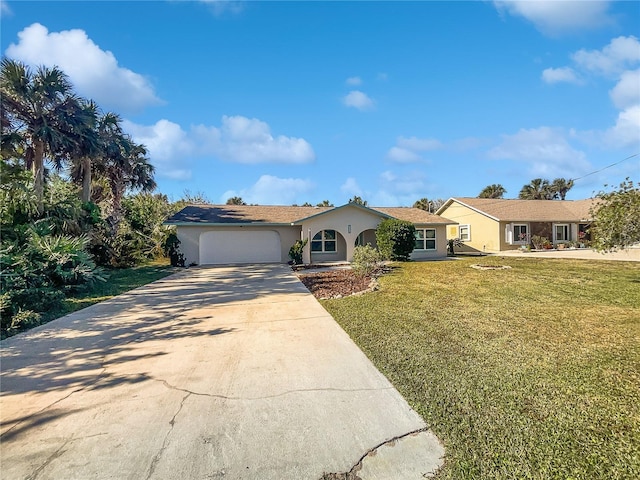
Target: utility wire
x,y
608,166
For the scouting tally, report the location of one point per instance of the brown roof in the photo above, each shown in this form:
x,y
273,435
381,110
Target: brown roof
x,y
277,214
529,210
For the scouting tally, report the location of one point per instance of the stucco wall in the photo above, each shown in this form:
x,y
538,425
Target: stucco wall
x,y
189,237
485,232
441,245
348,221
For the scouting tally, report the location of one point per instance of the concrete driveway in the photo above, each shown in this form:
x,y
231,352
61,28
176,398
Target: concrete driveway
x,y
227,372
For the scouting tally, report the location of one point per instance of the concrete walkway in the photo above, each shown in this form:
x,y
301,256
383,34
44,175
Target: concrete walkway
x,y
229,372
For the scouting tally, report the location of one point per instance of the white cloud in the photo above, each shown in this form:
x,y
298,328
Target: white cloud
x,y
397,190
554,17
545,150
626,131
359,100
167,146
350,187
354,81
4,8
626,93
557,75
218,7
419,144
619,55
408,149
271,190
239,139
94,72
402,155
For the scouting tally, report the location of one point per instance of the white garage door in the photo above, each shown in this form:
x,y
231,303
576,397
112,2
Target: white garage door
x,y
246,246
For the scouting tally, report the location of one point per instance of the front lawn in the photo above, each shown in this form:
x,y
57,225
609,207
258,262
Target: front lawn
x,y
531,372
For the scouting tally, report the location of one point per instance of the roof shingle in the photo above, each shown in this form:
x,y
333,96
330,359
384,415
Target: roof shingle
x,y
531,210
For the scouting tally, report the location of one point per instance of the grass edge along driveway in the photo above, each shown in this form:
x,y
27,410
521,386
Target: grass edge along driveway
x,y
529,372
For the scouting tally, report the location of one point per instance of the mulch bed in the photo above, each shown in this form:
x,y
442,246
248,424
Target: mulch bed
x,y
335,283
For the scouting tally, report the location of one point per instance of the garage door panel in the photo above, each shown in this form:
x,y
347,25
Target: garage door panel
x,y
218,248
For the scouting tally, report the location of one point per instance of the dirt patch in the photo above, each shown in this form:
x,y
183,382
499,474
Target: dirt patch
x,y
336,283
490,267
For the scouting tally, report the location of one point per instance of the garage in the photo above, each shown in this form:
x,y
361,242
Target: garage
x,y
240,246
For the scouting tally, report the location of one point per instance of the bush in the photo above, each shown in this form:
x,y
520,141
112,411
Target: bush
x,y
172,250
295,252
366,261
396,239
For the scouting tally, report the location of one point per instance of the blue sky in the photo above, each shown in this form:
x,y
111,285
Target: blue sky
x,y
293,102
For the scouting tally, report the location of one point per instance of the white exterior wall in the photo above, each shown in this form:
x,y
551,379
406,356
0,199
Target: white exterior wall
x,y
189,237
441,244
341,220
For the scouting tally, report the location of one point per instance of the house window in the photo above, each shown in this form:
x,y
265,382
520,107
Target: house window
x,y
562,233
425,239
521,233
324,241
464,233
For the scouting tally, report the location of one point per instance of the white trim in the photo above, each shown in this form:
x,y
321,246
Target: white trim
x,y
324,240
425,238
468,227
516,238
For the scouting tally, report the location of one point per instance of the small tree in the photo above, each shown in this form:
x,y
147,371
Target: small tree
x,y
616,218
295,252
235,201
359,201
396,239
366,260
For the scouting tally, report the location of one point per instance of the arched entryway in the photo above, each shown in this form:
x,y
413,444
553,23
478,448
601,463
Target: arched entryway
x,y
328,246
366,237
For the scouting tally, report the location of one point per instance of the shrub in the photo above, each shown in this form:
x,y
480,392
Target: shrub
x,y
539,242
452,243
295,252
396,239
366,260
172,250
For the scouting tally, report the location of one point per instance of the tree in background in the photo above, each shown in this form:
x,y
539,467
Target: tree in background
x,y
616,218
41,110
537,189
430,206
325,203
541,189
492,191
559,188
358,201
235,201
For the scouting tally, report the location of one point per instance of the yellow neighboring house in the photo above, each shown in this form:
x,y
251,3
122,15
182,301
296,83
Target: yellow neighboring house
x,y
493,225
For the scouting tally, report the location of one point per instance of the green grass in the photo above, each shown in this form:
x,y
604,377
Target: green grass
x,y
531,372
118,281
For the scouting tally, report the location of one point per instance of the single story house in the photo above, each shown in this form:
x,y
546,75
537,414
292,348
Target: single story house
x,y
494,225
224,234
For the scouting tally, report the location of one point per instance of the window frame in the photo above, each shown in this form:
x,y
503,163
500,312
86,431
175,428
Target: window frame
x,y
425,239
516,237
461,236
323,241
566,232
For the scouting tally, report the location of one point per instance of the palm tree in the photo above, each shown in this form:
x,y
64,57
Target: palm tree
x,y
538,189
423,204
87,147
492,191
560,187
41,108
235,201
359,201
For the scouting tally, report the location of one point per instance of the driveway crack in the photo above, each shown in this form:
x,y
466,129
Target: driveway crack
x,y
165,441
281,394
52,457
352,474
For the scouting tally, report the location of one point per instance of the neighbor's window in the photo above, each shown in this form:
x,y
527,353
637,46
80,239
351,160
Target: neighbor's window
x,y
520,233
562,233
464,233
425,239
324,241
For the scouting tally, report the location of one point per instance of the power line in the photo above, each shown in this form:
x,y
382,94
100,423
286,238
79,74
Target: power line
x,y
608,166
